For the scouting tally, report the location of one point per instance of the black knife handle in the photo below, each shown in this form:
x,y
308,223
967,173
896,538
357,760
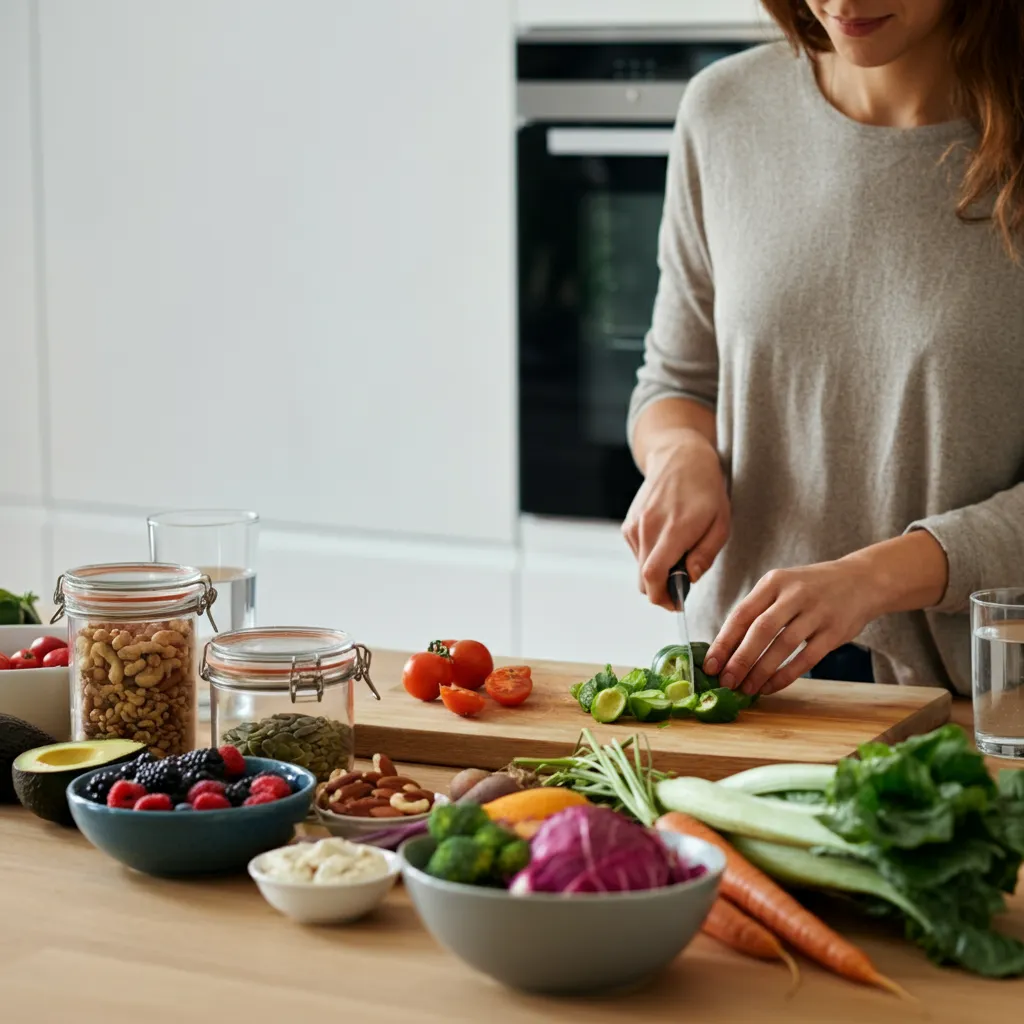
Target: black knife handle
x,y
679,569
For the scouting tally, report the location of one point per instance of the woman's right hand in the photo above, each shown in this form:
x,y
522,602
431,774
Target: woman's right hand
x,y
683,505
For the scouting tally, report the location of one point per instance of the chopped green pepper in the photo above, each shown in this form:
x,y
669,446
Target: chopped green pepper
x,y
575,689
604,680
650,706
687,707
718,705
678,689
642,679
609,705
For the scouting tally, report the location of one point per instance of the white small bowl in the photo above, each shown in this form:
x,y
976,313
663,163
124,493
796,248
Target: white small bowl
x,y
348,826
336,903
41,696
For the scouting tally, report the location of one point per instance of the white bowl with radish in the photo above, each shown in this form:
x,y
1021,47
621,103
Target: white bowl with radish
x,y
39,693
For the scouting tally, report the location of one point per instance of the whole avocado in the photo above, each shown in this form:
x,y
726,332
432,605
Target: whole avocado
x,y
16,736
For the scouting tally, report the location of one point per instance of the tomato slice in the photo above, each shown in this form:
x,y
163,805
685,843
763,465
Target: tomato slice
x,y
425,673
510,685
462,702
471,663
5,662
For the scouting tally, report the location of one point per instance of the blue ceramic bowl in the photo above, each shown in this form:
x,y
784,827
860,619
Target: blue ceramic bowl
x,y
195,842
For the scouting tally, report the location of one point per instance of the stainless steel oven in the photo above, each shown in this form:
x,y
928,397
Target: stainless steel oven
x,y
596,112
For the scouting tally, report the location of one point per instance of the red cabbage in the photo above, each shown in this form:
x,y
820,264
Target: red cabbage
x,y
593,849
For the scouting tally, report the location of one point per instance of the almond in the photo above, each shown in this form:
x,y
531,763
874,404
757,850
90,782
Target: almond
x,y
383,764
341,781
354,790
366,803
385,812
372,777
396,782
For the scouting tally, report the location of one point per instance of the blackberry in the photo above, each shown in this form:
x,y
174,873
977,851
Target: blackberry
x,y
238,792
207,760
191,777
159,777
97,788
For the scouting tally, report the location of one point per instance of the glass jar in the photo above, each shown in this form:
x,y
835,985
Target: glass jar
x,y
286,692
131,632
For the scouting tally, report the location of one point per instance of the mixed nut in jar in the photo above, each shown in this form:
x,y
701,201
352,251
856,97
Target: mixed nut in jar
x,y
286,692
131,634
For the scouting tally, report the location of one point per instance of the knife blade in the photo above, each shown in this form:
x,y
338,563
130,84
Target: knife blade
x,y
679,589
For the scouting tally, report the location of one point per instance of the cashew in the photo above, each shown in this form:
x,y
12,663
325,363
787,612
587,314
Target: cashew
x,y
135,667
153,660
122,639
169,637
133,651
401,802
109,655
101,636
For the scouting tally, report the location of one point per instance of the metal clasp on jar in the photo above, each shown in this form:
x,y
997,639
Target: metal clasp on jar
x,y
305,677
363,668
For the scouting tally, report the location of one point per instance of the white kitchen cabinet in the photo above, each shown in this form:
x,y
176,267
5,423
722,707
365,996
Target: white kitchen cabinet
x,y
23,561
21,450
579,599
386,593
613,13
280,259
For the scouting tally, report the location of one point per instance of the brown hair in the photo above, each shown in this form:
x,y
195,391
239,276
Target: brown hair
x,y
987,54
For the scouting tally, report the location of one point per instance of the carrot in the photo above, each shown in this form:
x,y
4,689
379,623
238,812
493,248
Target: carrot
x,y
730,926
757,894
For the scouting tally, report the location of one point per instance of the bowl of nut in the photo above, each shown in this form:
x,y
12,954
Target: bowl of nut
x,y
354,804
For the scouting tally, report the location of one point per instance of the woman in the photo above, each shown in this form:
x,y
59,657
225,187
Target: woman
x,y
830,413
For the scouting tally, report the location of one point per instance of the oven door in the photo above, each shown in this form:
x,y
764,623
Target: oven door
x,y
590,203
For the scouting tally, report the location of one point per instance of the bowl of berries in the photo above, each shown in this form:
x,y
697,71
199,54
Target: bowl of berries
x,y
205,812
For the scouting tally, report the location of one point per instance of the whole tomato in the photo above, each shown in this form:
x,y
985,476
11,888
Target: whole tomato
x,y
42,645
425,673
57,658
471,663
25,659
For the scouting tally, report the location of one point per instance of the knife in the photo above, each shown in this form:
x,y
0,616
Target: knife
x,y
679,588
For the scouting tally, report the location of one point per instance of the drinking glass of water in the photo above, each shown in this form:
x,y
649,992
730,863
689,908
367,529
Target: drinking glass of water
x,y
222,544
997,660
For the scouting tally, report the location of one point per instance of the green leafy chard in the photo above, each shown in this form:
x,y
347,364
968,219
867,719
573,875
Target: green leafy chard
x,y
940,831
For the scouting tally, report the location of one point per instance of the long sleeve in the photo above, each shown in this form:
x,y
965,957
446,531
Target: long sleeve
x,y
984,545
680,351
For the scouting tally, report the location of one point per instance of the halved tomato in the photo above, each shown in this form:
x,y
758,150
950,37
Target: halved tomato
x,y
425,673
462,702
510,685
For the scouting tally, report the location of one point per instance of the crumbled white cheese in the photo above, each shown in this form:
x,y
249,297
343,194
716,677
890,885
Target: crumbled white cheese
x,y
327,862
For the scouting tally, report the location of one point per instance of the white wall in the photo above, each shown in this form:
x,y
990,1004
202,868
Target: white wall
x,y
261,254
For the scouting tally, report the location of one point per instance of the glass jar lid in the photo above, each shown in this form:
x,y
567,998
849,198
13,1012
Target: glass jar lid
x,y
134,590
285,658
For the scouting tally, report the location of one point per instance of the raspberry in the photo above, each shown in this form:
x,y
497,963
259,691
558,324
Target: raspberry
x,y
210,802
124,794
153,802
259,798
234,763
206,786
272,784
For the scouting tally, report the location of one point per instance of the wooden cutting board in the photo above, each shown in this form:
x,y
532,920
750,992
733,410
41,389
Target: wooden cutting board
x,y
812,720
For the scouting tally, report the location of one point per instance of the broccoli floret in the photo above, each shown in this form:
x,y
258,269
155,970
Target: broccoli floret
x,y
456,820
461,859
512,858
494,837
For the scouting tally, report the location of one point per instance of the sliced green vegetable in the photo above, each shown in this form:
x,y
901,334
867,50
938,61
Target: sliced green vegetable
x,y
678,690
780,778
685,708
641,679
719,705
649,706
729,810
587,692
673,662
575,690
609,705
603,680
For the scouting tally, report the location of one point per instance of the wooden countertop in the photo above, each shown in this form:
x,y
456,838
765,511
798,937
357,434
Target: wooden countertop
x,y
83,939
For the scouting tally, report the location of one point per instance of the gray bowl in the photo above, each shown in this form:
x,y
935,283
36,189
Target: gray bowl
x,y
564,945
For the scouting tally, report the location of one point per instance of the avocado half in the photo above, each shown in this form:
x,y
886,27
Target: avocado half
x,y
41,775
16,736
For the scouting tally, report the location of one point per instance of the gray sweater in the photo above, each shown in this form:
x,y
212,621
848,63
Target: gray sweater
x,y
862,347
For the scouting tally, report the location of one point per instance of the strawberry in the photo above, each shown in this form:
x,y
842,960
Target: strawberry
x,y
123,794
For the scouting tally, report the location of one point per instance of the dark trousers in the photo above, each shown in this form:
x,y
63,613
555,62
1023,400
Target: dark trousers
x,y
848,663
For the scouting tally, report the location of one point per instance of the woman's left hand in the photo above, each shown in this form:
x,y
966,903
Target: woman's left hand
x,y
824,605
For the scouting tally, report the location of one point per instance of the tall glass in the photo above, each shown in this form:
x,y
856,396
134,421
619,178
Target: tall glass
x,y
997,661
221,543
